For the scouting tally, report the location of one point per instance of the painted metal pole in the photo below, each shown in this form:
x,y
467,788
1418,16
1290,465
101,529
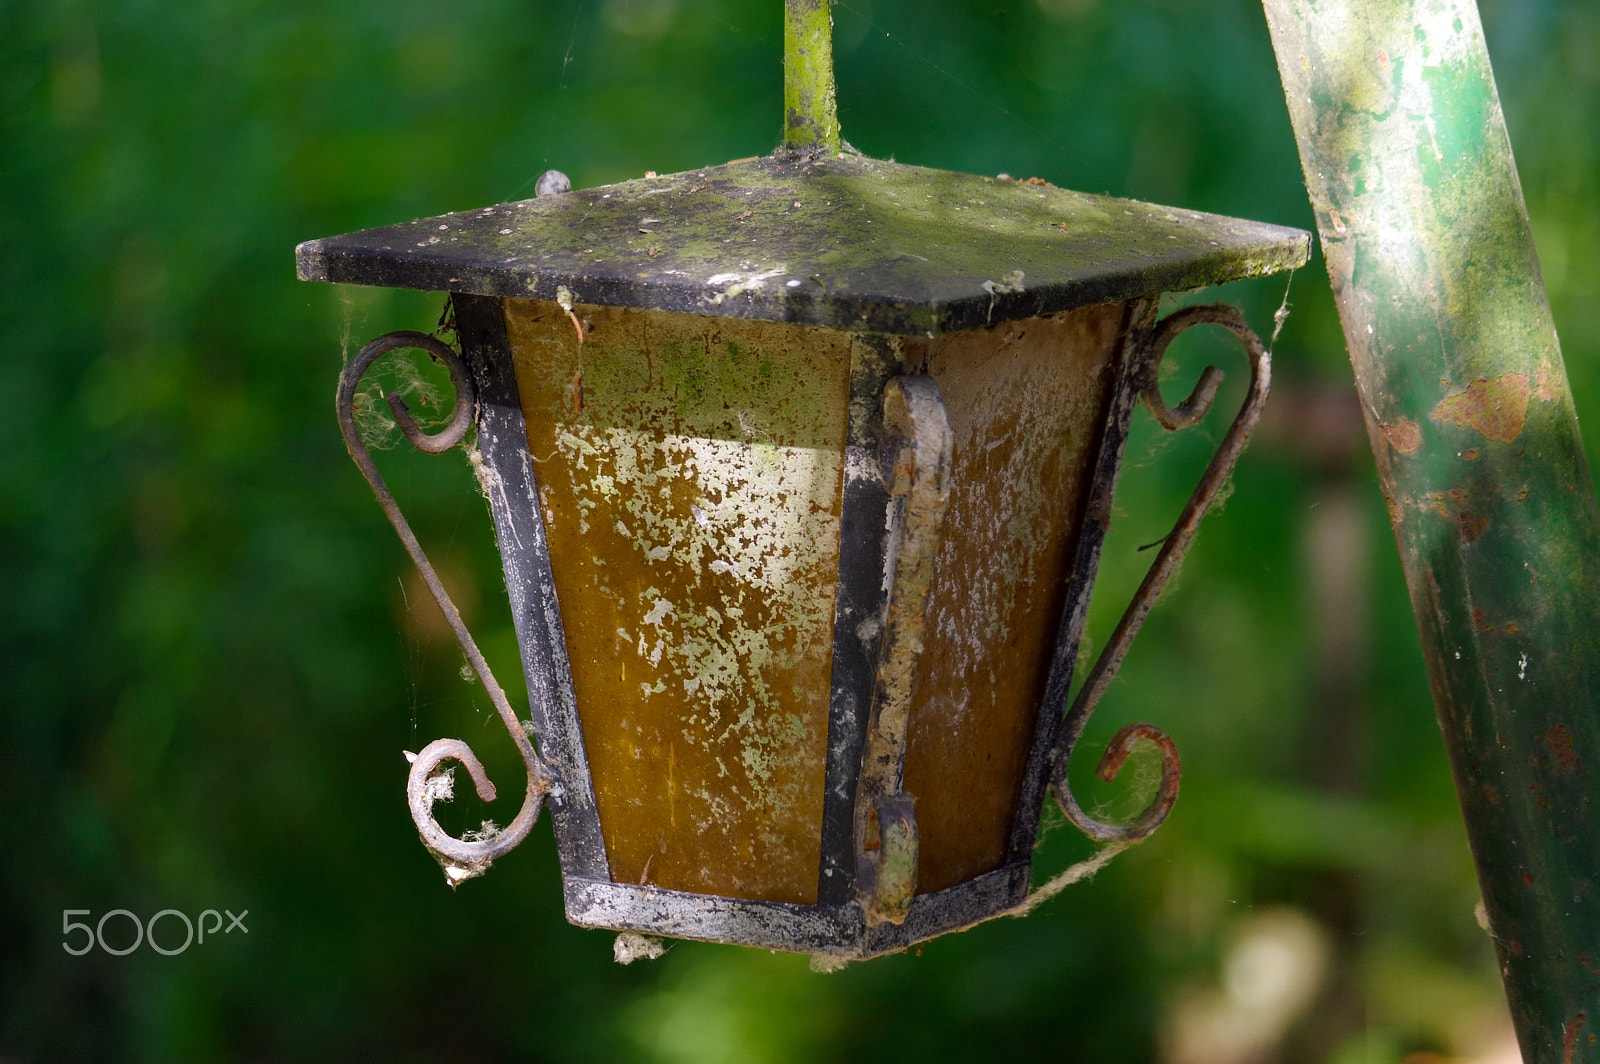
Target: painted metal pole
x,y
810,114
1427,242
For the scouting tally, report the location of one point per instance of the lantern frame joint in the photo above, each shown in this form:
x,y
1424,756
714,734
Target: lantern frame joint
x,y
916,451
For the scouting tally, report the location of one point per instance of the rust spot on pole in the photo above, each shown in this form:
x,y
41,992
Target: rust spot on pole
x,y
1404,435
1451,504
1472,525
1497,408
1569,1037
1397,513
1551,384
1560,740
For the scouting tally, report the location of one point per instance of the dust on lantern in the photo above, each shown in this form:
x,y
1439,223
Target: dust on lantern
x,y
800,468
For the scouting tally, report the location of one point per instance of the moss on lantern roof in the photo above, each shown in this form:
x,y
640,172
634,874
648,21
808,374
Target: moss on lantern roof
x,y
842,241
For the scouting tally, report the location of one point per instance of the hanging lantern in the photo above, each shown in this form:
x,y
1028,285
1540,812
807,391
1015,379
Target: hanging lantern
x,y
799,469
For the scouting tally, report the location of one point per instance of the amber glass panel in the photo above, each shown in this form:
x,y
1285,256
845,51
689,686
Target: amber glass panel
x,y
690,471
1025,402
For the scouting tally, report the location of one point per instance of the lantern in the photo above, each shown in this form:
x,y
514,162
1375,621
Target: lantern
x,y
799,469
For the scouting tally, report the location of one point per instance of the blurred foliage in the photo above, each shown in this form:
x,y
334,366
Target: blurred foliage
x,y
212,655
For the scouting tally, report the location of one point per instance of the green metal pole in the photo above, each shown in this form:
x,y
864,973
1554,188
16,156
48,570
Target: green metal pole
x,y
810,115
1427,243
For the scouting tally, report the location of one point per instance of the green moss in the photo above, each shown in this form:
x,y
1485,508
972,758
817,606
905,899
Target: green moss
x,y
842,241
810,114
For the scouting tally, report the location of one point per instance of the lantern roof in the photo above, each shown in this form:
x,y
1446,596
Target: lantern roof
x,y
836,240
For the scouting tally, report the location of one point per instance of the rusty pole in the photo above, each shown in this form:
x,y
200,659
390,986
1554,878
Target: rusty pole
x,y
1427,242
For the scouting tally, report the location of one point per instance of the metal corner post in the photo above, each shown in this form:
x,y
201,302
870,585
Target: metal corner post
x,y
1428,246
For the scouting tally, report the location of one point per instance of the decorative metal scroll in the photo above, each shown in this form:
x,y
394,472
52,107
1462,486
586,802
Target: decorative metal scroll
x,y
461,858
1151,350
916,467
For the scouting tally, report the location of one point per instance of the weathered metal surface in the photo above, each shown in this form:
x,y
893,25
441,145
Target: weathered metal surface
x,y
764,924
859,609
1173,548
1426,236
916,471
506,477
1025,403
427,781
810,113
889,876
690,476
1091,517
838,240
838,931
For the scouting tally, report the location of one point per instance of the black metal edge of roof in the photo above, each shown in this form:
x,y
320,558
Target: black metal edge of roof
x,y
837,310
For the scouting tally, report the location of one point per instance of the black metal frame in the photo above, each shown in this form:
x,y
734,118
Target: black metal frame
x,y
841,923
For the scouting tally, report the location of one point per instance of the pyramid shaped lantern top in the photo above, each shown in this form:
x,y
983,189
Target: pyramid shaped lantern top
x,y
837,240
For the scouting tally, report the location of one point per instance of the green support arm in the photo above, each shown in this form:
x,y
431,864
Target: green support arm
x,y
1427,242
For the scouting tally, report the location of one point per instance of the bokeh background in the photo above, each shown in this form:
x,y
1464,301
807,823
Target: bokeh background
x,y
212,651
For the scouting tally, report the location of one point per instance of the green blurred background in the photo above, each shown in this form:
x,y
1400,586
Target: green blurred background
x,y
212,651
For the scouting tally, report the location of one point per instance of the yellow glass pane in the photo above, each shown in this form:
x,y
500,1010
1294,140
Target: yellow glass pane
x,y
1025,402
690,472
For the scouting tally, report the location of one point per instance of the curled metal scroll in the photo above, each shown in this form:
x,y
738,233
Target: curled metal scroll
x,y
461,858
1191,410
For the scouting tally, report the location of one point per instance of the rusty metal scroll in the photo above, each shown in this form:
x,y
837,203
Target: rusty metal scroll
x,y
1173,547
428,782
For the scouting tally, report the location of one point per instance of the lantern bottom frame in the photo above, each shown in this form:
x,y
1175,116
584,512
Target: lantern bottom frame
x,y
830,930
